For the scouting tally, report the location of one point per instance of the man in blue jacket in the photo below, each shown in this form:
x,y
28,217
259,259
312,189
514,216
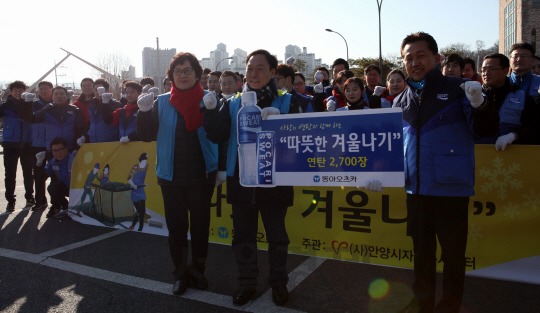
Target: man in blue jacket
x,y
521,61
441,117
60,167
97,129
285,80
17,139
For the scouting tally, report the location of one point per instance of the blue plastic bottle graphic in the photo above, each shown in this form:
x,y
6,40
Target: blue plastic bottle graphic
x,y
249,123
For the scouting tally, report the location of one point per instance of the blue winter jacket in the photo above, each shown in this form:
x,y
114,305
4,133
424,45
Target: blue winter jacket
x,y
438,133
528,83
38,129
98,130
303,101
62,169
17,132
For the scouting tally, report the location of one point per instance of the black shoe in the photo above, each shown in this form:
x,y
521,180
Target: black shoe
x,y
180,286
10,207
198,281
412,307
53,211
39,207
242,296
30,202
280,294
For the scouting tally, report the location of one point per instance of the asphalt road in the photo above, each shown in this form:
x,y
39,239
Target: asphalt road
x,y
51,265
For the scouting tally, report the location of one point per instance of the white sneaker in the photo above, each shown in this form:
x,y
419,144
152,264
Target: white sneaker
x,y
62,214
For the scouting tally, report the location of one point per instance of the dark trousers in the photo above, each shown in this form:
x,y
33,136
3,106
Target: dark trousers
x,y
140,206
178,200
58,191
244,244
445,218
11,157
40,177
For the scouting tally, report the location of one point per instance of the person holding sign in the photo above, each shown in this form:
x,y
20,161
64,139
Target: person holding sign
x,y
188,167
441,117
220,124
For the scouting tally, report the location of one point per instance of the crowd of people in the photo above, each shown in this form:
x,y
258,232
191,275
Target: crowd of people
x,y
449,105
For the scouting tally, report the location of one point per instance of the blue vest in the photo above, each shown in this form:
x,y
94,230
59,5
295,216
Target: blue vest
x,y
53,129
127,124
282,102
510,115
15,129
61,169
99,130
167,117
533,86
38,130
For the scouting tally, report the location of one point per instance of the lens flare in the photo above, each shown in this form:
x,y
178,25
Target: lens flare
x,y
378,288
314,201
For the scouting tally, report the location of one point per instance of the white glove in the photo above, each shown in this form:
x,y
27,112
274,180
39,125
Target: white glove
x,y
81,140
373,185
23,95
29,97
101,91
221,177
504,140
1,94
146,88
378,90
473,91
319,77
330,105
318,88
290,61
74,152
269,111
132,184
106,98
210,100
154,91
40,157
145,102
70,93
124,140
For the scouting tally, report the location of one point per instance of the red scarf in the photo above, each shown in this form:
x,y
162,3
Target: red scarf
x,y
388,96
187,103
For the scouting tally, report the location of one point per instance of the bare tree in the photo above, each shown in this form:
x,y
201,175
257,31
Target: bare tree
x,y
114,63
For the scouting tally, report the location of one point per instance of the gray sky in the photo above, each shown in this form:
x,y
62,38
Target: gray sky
x,y
35,31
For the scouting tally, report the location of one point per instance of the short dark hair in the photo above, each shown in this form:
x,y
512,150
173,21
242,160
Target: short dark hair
x,y
182,57
454,58
59,141
356,80
240,74
144,156
166,80
504,62
372,67
61,88
44,82
207,71
134,85
272,61
470,61
322,68
395,71
346,73
421,36
147,81
523,45
340,61
300,75
102,81
17,84
87,79
229,74
285,71
215,73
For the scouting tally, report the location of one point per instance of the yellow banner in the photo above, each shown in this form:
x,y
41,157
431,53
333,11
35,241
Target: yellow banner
x,y
347,223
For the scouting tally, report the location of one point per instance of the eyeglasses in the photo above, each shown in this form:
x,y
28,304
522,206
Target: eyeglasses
x,y
227,84
58,150
300,84
489,69
520,56
188,71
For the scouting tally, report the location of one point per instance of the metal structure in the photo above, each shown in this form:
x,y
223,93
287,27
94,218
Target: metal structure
x,y
379,4
217,66
331,31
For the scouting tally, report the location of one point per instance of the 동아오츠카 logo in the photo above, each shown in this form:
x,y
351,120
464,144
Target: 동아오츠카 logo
x,y
223,232
316,178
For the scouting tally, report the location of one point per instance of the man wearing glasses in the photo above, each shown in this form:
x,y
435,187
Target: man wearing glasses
x,y
521,61
517,110
284,78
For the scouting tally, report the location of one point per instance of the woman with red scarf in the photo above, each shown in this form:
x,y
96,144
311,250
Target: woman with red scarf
x,y
188,167
384,97
336,100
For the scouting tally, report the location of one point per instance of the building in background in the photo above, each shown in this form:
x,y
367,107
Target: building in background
x,y
292,51
238,62
218,58
149,58
311,62
519,20
129,74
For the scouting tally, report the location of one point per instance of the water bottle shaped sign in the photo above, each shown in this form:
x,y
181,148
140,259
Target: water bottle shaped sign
x,y
248,124
266,159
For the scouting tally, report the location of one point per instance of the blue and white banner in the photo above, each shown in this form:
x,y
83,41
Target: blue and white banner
x,y
346,148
